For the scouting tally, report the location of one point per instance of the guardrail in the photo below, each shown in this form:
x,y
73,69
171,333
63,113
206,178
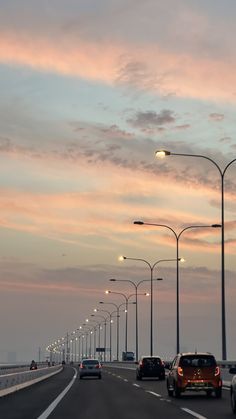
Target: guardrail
x,y
12,382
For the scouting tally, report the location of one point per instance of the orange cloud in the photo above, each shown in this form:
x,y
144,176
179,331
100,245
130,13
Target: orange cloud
x,y
163,72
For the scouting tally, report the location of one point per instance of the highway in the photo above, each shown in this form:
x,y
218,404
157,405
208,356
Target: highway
x,y
118,396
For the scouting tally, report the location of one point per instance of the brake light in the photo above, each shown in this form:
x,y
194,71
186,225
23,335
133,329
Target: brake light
x,y
141,364
98,366
81,366
180,371
217,371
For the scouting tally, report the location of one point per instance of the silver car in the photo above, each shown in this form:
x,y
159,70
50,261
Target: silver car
x,y
90,368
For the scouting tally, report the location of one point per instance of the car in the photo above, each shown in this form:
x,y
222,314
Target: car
x,y
150,366
194,372
232,370
128,356
90,368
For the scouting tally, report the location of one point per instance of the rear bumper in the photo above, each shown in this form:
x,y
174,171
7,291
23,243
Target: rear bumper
x,y
199,386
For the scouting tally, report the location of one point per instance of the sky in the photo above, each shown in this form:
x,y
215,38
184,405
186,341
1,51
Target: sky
x,y
89,91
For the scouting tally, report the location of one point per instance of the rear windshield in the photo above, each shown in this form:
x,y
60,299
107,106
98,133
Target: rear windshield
x,y
197,361
90,362
151,361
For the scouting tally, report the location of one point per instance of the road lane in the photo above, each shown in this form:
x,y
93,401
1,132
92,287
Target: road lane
x,y
211,408
118,396
113,397
29,403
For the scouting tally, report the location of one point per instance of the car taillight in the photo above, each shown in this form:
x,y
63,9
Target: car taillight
x,y
163,363
180,371
81,366
98,366
140,364
217,371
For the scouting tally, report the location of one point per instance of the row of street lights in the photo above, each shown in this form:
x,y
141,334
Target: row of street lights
x,y
162,154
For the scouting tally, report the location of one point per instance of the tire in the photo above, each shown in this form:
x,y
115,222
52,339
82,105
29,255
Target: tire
x,y
177,392
170,391
80,377
209,393
233,401
100,377
218,393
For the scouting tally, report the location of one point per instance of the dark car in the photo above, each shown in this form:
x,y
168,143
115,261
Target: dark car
x,y
150,366
89,368
194,372
232,370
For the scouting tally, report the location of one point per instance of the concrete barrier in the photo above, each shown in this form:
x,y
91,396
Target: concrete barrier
x,y
10,383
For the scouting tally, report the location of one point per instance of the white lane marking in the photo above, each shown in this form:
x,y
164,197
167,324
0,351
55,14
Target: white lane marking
x,y
154,394
125,380
136,385
191,412
226,388
52,406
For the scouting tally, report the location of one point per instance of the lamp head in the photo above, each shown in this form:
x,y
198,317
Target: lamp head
x,y
216,225
121,258
95,310
147,294
112,279
140,223
162,153
101,302
107,292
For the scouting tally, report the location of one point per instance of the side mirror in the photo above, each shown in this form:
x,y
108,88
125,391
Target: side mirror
x,y
232,370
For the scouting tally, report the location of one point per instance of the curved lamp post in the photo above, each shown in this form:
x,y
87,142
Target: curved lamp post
x,y
177,237
151,267
110,321
105,331
136,308
163,153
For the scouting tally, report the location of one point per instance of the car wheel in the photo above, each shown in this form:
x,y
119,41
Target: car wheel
x,y
233,401
208,393
80,377
218,393
177,392
170,391
100,377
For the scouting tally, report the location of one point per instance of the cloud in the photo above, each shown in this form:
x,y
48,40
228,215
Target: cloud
x,y
216,117
150,119
154,68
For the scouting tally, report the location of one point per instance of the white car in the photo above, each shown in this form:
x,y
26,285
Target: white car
x,y
90,368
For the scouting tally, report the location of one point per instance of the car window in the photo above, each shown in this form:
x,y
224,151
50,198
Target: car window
x,y
152,361
90,362
197,361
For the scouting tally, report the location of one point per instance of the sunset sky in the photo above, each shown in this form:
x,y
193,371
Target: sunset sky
x,y
89,91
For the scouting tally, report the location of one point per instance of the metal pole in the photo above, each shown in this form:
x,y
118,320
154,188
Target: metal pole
x,y
136,299
151,318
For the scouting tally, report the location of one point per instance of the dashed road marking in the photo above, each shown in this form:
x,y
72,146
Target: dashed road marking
x,y
154,394
194,414
136,385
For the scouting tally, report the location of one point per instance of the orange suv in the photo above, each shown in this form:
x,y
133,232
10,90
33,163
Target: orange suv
x,y
194,372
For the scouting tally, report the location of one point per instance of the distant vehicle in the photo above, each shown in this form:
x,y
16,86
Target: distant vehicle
x,y
128,356
89,368
63,362
232,370
150,366
194,372
33,365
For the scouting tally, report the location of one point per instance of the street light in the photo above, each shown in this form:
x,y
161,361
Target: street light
x,y
117,324
136,301
177,237
126,314
151,292
163,153
105,331
110,314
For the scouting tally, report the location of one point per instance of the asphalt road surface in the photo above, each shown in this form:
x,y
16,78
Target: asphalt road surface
x,y
116,396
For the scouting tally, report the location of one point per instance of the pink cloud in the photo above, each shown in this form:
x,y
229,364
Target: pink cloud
x,y
164,72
